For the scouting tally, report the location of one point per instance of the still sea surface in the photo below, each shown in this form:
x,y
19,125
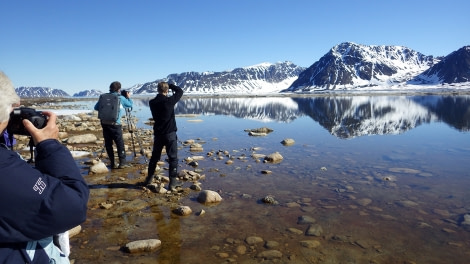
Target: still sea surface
x,y
369,179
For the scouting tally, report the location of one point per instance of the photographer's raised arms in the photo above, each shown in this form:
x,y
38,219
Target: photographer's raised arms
x,y
109,113
37,202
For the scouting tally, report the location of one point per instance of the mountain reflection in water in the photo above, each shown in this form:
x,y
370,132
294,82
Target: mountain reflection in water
x,y
399,195
343,116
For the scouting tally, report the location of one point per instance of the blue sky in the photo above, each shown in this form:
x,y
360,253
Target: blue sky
x,y
86,44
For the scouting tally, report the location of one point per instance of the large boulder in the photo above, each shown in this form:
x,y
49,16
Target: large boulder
x,y
208,196
82,139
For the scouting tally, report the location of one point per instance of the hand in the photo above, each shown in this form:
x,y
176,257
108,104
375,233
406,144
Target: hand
x,y
171,86
50,131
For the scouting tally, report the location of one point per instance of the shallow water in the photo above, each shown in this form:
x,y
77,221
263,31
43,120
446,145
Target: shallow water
x,y
386,178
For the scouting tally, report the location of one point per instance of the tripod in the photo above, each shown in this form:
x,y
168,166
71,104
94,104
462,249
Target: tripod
x,y
131,125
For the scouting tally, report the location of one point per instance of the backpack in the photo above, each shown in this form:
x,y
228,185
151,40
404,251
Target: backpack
x,y
108,108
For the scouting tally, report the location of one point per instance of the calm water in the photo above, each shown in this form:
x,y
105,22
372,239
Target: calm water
x,y
387,178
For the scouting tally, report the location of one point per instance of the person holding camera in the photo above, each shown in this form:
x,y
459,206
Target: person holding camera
x,y
164,130
112,132
38,202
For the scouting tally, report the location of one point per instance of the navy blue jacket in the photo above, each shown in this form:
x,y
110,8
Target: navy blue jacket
x,y
38,202
163,111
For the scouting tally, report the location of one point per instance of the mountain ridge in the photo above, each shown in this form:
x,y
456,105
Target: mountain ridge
x,y
346,66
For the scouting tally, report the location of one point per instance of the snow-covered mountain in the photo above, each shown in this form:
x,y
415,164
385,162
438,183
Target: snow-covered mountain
x,y
264,78
349,65
30,92
88,93
453,68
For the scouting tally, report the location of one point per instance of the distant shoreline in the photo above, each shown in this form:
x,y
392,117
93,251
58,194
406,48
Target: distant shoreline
x,y
329,93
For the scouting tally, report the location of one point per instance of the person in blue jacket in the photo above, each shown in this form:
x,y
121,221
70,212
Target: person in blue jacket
x,y
37,202
113,132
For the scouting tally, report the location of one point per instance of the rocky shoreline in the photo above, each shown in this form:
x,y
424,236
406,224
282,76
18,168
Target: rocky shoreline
x,y
82,134
129,223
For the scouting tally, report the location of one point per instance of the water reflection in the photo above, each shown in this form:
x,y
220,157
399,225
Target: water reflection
x,y
343,116
397,198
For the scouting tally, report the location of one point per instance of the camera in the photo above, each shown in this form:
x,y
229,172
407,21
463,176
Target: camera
x,y
125,93
15,125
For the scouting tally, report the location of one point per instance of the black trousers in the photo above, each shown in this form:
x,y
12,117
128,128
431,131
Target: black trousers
x,y
170,142
113,134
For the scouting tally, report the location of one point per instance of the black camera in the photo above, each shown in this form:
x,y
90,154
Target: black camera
x,y
15,125
125,93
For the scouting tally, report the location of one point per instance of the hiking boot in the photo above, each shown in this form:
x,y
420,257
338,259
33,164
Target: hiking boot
x,y
147,181
173,185
123,164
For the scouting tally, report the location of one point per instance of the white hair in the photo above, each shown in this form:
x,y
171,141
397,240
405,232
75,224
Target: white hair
x,y
8,97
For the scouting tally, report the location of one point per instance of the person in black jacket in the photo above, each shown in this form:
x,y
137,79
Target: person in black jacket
x,y
164,131
37,202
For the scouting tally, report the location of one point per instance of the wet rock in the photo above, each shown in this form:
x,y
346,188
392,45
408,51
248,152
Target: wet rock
x,y
272,244
310,243
441,212
341,238
406,203
75,231
189,142
193,163
260,130
275,157
258,156
183,210
364,201
270,254
100,167
302,220
142,246
292,204
255,134
222,254
106,205
202,212
465,220
252,240
196,187
268,199
295,231
288,142
240,249
314,230
194,158
196,147
208,196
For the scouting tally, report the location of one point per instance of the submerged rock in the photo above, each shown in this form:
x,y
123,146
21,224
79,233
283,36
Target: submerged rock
x,y
142,245
183,210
